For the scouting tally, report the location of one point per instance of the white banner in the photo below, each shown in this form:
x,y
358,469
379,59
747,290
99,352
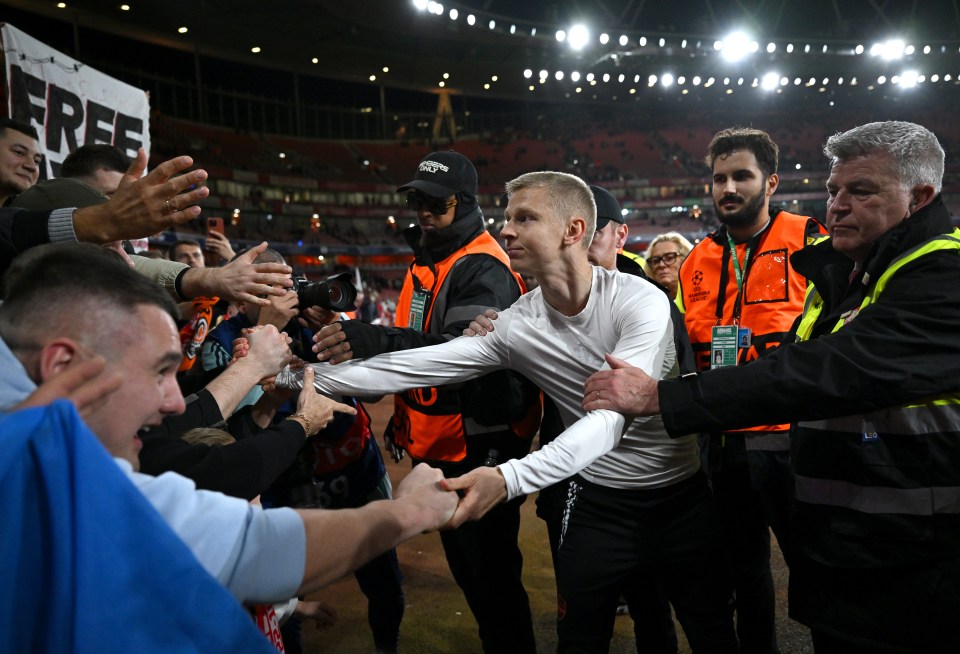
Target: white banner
x,y
70,103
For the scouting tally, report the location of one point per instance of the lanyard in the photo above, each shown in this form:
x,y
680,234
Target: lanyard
x,y
421,299
740,274
736,262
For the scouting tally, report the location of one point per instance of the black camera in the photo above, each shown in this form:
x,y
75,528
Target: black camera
x,y
335,293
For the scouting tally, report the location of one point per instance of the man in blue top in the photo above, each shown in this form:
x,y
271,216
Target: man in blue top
x,y
65,305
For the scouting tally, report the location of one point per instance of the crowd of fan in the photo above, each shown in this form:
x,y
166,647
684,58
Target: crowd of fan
x,y
205,362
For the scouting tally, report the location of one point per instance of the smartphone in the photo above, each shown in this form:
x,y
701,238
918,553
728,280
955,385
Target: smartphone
x,y
212,258
215,225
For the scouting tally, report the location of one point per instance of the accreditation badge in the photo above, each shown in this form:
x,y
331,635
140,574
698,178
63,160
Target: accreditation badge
x,y
723,346
418,308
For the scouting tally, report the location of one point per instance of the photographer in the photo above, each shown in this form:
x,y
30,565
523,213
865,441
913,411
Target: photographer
x,y
338,467
280,312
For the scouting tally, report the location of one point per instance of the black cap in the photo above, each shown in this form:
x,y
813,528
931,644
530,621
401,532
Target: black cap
x,y
59,194
607,207
442,174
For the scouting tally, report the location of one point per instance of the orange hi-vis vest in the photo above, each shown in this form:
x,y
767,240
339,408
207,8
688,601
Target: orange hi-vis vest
x,y
427,422
772,298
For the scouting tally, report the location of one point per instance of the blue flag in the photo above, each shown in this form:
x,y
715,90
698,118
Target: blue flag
x,y
86,563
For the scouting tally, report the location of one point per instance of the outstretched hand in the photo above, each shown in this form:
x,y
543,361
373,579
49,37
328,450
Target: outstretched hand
x,y
332,344
241,279
318,409
481,490
624,389
482,324
264,348
142,206
423,489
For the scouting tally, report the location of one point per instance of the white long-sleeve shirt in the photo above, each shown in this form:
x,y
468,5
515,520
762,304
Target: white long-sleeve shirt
x,y
625,316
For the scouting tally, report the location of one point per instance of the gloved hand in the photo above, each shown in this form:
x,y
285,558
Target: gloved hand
x,y
349,339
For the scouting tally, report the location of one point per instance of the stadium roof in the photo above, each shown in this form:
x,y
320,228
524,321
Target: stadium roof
x,y
510,49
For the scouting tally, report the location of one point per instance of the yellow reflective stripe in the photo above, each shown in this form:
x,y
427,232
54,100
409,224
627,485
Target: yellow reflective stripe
x,y
878,499
679,299
940,242
812,306
939,400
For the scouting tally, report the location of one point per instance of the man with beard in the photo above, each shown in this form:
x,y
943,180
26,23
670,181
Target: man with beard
x,y
459,270
740,297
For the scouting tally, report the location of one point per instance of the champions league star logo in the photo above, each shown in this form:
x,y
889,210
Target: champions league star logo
x,y
697,278
432,167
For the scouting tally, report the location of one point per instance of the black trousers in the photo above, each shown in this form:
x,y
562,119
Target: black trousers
x,y
611,537
486,561
653,627
753,489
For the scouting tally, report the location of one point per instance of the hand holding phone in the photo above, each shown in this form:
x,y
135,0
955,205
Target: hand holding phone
x,y
217,246
215,225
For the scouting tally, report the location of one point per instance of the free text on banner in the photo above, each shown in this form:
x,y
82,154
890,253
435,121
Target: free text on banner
x,y
70,103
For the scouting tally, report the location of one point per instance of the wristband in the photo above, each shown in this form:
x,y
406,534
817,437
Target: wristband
x,y
178,284
306,422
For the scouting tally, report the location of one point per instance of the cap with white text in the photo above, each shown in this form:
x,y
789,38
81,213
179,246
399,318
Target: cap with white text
x,y
442,174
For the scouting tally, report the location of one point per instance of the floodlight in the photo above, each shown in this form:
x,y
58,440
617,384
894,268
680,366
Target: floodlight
x,y
909,79
578,37
735,46
889,50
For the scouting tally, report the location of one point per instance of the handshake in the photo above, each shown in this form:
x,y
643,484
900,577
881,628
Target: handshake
x,y
436,502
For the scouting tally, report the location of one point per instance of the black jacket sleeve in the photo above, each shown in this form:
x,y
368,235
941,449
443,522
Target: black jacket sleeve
x,y
479,282
243,469
902,348
368,340
21,230
202,410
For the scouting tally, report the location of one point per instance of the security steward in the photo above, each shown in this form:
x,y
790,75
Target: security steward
x,y
740,297
873,388
459,270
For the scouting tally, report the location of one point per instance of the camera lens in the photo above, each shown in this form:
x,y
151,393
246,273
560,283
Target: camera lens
x,y
335,293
